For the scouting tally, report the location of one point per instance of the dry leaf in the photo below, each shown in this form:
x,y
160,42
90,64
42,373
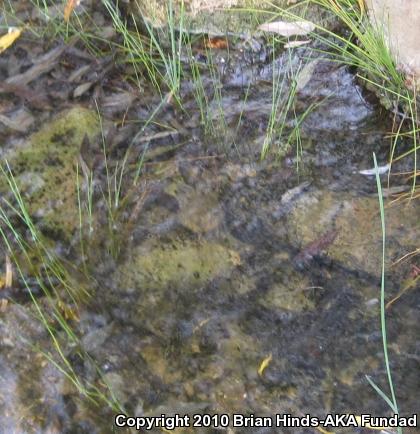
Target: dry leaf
x,y
41,65
294,44
82,88
217,42
305,74
286,28
69,7
7,40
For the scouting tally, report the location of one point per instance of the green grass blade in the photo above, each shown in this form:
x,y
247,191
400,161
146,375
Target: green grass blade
x,y
393,401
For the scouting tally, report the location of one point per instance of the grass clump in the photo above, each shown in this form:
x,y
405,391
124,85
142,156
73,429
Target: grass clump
x,y
145,50
64,289
364,46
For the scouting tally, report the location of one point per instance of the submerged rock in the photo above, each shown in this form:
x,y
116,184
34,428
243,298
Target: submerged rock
x,y
45,169
291,295
181,264
357,222
199,211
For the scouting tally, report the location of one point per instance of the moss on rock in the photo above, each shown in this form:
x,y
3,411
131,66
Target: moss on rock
x,y
45,169
180,264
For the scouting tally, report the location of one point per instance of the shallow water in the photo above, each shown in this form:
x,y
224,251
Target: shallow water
x,y
225,263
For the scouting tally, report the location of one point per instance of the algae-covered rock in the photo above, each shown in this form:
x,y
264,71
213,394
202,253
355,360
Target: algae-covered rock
x,y
358,244
292,295
44,168
199,211
180,264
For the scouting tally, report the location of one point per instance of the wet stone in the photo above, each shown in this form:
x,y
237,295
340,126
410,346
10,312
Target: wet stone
x,y
45,168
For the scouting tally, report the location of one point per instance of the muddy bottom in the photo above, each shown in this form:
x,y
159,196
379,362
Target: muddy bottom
x,y
227,285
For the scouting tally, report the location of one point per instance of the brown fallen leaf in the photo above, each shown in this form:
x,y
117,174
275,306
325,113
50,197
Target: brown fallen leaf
x,y
7,40
216,42
82,89
41,65
69,7
294,44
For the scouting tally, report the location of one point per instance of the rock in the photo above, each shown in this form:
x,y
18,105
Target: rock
x,y
44,167
359,241
400,22
199,212
116,383
94,339
183,264
292,296
216,17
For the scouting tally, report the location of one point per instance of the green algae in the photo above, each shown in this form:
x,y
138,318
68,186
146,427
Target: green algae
x,y
180,264
45,169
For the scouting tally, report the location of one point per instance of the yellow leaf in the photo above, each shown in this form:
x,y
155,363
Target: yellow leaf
x,y
69,7
361,6
264,364
7,40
